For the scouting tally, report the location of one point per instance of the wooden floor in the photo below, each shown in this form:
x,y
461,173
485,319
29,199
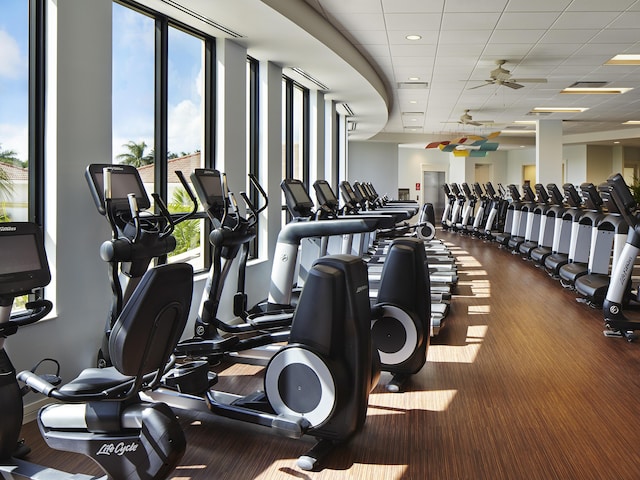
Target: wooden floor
x,y
521,384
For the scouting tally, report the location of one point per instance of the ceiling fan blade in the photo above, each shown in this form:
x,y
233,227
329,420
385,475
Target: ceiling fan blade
x,y
488,82
512,85
529,80
474,123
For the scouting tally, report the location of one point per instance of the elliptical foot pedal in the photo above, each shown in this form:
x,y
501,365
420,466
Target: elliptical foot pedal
x,y
192,377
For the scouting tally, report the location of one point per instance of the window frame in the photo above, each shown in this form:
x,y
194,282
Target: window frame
x,y
161,111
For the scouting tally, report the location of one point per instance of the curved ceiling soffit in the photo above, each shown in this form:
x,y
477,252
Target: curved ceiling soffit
x,y
307,18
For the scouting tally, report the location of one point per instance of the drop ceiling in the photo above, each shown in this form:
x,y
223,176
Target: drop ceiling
x,y
562,41
414,91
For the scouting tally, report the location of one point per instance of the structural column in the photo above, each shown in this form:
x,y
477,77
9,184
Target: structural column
x,y
549,151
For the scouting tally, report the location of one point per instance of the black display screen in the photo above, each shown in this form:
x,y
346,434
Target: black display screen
x,y
18,253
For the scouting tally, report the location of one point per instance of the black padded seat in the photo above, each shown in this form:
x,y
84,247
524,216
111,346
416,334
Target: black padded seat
x,y
539,254
572,271
593,287
554,261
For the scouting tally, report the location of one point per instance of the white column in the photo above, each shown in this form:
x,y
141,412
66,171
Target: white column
x,y
316,140
231,141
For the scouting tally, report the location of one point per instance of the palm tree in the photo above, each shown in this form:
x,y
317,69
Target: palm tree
x,y
6,186
135,155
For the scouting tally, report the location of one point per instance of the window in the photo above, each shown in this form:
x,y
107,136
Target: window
x,y
253,122
14,114
295,131
22,113
163,104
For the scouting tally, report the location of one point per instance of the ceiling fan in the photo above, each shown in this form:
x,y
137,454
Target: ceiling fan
x,y
467,119
502,76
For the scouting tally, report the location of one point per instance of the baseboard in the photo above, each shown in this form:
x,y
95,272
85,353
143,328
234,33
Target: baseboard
x,y
31,409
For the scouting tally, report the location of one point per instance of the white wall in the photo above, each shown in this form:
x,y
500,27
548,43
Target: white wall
x,y
78,133
376,163
575,160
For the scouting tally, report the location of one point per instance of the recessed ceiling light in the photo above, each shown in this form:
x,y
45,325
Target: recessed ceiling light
x,y
414,79
413,102
413,37
559,109
624,59
595,91
632,122
526,122
616,142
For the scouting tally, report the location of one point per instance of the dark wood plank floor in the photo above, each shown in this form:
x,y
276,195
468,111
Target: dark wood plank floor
x,y
520,385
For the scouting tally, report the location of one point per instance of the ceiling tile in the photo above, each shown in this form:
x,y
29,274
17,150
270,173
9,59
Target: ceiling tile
x,y
538,5
410,21
528,21
463,6
627,20
569,36
410,6
585,20
469,36
618,35
600,6
516,36
412,50
469,21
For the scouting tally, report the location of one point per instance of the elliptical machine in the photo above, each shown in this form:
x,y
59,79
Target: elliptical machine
x,y
138,236
100,413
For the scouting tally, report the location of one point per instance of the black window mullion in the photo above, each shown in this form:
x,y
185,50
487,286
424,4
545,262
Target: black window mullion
x,y
161,148
289,127
210,118
305,137
36,110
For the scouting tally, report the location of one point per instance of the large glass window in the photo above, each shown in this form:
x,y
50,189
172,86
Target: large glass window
x,y
252,138
14,110
162,88
295,131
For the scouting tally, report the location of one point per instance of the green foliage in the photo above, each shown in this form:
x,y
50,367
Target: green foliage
x,y
6,185
187,234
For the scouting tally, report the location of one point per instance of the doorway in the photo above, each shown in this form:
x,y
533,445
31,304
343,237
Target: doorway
x,y
432,183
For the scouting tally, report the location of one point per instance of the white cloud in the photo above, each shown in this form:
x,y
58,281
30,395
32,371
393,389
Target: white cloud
x,y
16,138
185,127
12,65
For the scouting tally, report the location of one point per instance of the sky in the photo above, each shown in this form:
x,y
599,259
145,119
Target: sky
x,y
133,57
132,94
14,68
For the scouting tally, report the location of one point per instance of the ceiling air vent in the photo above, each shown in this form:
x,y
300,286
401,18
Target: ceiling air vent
x,y
202,18
413,85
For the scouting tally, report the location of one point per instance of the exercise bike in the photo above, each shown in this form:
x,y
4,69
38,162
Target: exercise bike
x,y
98,414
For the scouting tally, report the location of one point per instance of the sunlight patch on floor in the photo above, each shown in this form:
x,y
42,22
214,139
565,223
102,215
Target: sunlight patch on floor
x,y
432,400
466,353
478,310
467,261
